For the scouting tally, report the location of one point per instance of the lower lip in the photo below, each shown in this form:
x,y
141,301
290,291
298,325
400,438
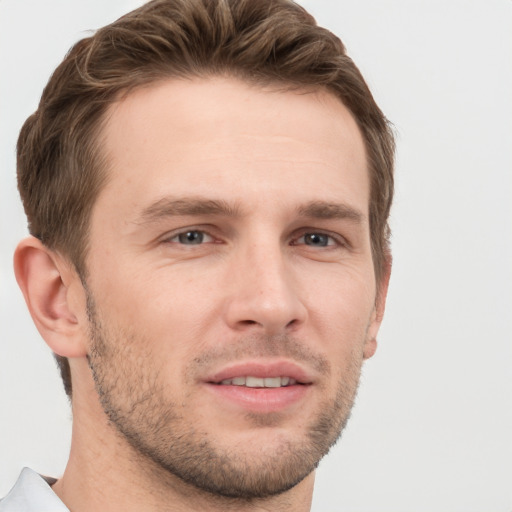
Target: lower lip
x,y
260,400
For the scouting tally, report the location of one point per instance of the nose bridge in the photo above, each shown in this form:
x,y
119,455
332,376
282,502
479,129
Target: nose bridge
x,y
264,293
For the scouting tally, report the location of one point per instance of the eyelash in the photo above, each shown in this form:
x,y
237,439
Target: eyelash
x,y
333,240
188,232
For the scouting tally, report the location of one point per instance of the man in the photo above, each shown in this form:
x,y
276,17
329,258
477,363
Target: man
x,y
207,185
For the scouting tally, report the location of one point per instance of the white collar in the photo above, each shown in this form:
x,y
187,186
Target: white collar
x,y
32,493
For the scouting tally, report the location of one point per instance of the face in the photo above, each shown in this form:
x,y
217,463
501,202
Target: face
x,y
231,292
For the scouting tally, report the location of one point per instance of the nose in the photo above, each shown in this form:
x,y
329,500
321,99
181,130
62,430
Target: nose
x,y
263,293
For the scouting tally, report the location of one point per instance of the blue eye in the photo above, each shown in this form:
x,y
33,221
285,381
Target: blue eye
x,y
316,240
192,237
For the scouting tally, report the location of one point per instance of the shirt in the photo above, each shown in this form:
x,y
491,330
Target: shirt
x,y
32,493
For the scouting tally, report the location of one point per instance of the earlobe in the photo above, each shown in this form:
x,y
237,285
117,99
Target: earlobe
x,y
45,280
369,348
380,305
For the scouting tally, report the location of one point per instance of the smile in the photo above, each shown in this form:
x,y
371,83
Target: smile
x,y
261,386
259,382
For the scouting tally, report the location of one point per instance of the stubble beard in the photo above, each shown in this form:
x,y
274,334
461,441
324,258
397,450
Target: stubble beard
x,y
133,399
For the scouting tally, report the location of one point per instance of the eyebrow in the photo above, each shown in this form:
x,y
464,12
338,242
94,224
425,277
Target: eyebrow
x,y
327,210
169,207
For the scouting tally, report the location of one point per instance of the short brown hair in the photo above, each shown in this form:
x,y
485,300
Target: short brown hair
x,y
60,164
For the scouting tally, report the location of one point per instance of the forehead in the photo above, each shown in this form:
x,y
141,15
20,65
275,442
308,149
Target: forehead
x,y
223,137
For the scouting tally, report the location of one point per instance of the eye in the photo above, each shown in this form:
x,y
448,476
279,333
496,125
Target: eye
x,y
316,240
191,237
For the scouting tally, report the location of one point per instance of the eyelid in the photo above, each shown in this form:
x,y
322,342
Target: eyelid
x,y
169,237
339,240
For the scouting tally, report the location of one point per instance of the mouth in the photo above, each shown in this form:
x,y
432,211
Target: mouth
x,y
260,386
261,374
259,382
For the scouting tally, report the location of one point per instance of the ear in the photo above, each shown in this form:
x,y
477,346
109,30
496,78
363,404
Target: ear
x,y
54,296
370,345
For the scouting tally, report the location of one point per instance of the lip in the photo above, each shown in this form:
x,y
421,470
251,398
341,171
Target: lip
x,y
260,400
262,369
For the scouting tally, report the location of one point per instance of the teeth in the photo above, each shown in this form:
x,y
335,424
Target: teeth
x,y
254,382
272,382
259,382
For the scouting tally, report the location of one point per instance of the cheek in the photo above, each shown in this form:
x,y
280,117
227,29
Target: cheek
x,y
343,308
168,309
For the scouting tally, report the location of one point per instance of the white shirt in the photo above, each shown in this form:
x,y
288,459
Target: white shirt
x,y
32,493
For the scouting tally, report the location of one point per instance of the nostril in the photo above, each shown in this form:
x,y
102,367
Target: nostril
x,y
248,322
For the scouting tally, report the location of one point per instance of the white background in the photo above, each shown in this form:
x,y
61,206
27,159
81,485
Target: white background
x,y
431,430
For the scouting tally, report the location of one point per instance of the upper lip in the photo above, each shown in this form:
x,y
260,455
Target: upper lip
x,y
262,369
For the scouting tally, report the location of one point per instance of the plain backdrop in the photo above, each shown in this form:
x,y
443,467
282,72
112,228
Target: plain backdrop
x,y
431,429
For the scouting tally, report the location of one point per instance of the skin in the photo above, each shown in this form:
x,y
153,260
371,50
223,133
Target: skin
x,y
283,276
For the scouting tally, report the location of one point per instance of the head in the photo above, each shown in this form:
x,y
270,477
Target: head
x,y
271,47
